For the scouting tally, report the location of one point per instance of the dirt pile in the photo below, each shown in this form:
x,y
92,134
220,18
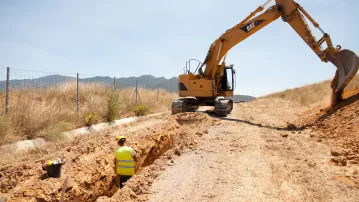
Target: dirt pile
x,y
339,128
89,163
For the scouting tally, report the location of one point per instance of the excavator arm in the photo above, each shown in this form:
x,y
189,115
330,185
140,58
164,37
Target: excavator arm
x,y
346,61
210,87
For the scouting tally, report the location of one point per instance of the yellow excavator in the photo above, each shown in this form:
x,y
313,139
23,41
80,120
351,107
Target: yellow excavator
x,y
212,87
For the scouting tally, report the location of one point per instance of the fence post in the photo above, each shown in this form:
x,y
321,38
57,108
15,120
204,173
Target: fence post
x,y
136,91
77,94
114,83
7,90
158,86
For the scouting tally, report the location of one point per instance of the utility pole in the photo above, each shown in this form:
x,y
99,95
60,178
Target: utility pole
x,y
136,91
7,90
77,94
158,87
114,83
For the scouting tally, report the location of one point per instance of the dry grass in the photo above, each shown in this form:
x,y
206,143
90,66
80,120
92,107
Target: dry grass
x,y
48,112
309,95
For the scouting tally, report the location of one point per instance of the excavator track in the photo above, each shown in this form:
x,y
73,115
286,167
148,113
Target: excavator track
x,y
184,105
223,107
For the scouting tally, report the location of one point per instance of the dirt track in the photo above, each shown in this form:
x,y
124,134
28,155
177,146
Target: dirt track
x,y
251,155
258,160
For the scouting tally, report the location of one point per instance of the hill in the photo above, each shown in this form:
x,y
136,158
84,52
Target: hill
x,y
144,81
243,98
309,95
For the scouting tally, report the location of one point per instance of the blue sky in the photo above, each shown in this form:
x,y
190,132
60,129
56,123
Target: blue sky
x,y
132,38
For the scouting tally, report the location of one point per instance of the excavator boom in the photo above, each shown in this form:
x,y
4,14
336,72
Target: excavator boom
x,y
211,83
291,12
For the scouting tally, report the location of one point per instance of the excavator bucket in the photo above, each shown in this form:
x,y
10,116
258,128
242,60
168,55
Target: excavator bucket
x,y
347,63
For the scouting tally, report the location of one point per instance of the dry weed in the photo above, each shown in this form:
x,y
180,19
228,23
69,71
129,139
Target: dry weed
x,y
46,112
311,94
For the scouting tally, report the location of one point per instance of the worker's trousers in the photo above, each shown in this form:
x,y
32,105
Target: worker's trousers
x,y
121,179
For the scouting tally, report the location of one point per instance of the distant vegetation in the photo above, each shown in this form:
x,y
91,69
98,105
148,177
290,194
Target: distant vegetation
x,y
243,98
311,94
46,112
145,81
46,106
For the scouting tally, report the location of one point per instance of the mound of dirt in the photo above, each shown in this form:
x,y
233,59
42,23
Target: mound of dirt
x,y
339,126
89,163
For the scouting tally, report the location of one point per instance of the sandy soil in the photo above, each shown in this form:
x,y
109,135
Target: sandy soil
x,y
266,150
254,156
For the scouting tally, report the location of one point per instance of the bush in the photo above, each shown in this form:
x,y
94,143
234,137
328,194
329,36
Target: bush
x,y
113,106
141,110
91,119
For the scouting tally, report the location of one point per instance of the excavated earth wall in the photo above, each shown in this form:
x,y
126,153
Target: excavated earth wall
x,y
89,163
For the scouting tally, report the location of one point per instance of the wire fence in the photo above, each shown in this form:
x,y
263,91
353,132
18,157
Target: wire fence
x,y
18,86
44,104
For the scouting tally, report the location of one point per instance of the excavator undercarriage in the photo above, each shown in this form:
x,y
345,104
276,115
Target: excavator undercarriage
x,y
222,106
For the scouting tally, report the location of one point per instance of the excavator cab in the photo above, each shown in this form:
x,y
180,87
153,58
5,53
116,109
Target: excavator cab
x,y
228,79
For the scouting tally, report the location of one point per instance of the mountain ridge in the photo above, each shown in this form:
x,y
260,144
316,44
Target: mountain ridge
x,y
147,81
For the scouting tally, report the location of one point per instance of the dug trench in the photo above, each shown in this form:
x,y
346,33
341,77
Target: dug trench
x,y
89,163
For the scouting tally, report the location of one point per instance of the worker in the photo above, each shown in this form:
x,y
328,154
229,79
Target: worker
x,y
124,161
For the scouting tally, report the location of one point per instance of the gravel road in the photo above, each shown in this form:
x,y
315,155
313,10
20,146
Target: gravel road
x,y
252,156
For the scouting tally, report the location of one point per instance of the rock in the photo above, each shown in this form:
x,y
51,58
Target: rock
x,y
312,164
291,126
351,157
199,133
24,166
205,132
337,151
68,149
177,152
343,162
133,195
339,161
353,162
335,159
284,135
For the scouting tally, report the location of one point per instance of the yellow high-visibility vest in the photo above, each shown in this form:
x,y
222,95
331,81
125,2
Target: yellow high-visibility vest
x,y
124,161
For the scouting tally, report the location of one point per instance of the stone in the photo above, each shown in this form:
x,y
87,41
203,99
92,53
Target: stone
x,y
284,135
291,126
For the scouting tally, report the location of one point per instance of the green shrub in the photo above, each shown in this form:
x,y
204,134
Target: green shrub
x,y
91,119
113,106
141,109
